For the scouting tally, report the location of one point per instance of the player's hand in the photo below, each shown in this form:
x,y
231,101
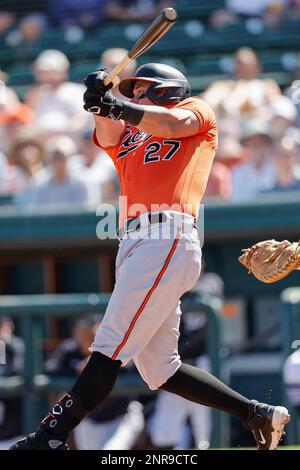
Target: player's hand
x,y
95,83
108,105
105,106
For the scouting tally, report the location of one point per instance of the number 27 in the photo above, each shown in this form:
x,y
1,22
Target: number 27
x,y
152,149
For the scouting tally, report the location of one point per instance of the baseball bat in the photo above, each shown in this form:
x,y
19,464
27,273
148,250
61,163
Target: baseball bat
x,y
158,28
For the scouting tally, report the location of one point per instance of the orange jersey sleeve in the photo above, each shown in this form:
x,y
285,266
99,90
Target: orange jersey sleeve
x,y
111,151
204,113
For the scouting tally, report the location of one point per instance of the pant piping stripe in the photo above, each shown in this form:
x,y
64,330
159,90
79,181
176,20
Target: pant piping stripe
x,y
146,299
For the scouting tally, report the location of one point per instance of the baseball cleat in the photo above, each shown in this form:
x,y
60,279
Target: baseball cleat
x,y
34,442
267,424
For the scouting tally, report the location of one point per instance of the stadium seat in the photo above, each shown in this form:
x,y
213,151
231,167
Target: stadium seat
x,y
20,75
197,9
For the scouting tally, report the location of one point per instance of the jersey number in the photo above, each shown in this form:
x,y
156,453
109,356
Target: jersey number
x,y
152,150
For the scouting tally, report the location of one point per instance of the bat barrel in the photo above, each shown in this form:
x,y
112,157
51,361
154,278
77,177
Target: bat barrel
x,y
155,31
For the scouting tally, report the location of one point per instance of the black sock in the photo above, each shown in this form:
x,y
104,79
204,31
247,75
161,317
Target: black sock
x,y
91,388
96,380
201,387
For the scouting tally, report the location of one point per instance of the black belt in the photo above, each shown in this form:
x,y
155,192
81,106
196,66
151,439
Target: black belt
x,y
133,224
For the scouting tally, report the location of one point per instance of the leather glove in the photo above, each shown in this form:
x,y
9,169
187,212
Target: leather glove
x,y
270,260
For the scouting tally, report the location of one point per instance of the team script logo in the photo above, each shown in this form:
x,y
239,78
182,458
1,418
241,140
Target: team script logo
x,y
154,151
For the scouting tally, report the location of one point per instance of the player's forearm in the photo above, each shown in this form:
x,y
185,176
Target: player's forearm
x,y
108,132
111,114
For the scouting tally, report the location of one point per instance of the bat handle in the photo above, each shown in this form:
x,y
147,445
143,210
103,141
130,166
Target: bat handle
x,y
116,70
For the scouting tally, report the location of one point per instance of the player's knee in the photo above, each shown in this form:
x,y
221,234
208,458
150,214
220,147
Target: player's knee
x,y
155,371
156,382
150,382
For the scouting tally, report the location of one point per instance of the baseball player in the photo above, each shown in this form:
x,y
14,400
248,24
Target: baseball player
x,y
162,143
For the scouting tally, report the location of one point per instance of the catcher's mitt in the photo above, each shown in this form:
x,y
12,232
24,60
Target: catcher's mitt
x,y
270,260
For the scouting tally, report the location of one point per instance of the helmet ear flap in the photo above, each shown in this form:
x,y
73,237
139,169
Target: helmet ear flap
x,y
151,93
162,95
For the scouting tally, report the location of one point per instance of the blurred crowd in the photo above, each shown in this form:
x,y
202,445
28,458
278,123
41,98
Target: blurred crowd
x,y
47,155
28,20
269,12
259,139
47,150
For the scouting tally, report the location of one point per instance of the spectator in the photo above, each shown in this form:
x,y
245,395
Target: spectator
x,y
11,407
273,15
229,151
135,10
242,97
293,9
7,19
23,39
87,13
270,11
257,172
283,115
70,357
11,11
8,96
26,158
13,113
221,18
294,134
110,58
96,169
209,283
219,186
285,161
291,379
112,425
12,122
59,186
293,92
57,102
31,27
253,8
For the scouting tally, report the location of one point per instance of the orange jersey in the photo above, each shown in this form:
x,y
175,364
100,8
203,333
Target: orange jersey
x,y
165,174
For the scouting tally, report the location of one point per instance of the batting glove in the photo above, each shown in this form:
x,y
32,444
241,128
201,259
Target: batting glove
x,y
110,107
105,106
95,83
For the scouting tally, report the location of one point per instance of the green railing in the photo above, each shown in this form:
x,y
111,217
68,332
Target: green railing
x,y
32,311
290,319
22,228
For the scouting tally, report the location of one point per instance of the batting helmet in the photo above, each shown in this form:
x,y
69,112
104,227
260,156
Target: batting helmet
x,y
168,85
